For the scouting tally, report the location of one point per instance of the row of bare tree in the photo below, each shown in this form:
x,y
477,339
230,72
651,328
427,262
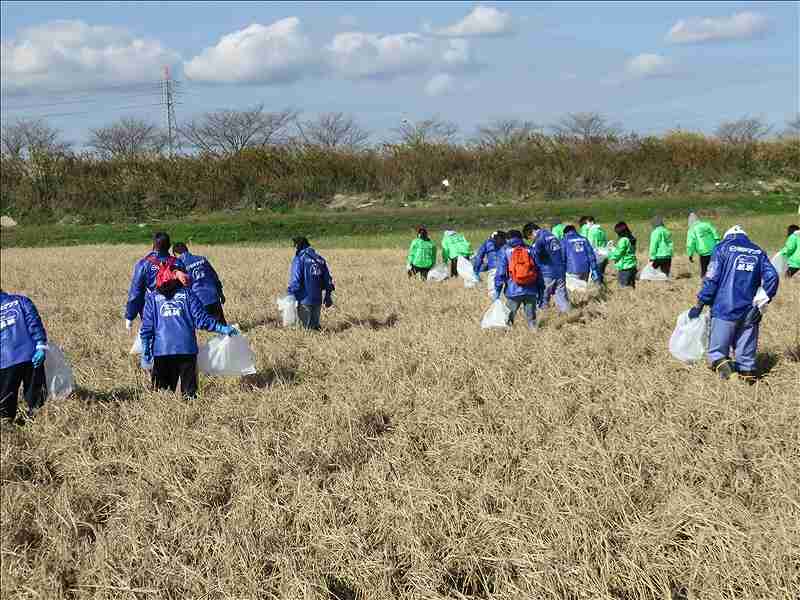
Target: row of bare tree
x,y
228,132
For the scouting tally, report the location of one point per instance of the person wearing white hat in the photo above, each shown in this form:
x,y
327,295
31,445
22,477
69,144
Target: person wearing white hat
x,y
738,269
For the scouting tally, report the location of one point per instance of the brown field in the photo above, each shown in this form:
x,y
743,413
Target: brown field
x,y
403,452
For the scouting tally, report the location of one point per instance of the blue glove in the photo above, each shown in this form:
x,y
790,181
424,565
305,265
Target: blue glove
x,y
38,359
595,276
753,317
695,311
228,330
146,362
328,301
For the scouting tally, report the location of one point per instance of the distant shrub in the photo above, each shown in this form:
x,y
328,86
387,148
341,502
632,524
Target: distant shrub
x,y
45,186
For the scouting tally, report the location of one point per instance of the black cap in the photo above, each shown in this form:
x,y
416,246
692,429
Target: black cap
x,y
300,242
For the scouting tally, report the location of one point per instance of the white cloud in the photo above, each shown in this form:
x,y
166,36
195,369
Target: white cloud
x,y
357,55
482,21
649,66
67,55
440,84
276,53
739,26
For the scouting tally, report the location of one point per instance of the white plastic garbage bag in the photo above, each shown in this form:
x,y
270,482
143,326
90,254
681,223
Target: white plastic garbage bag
x,y
761,300
466,272
137,345
490,274
58,373
779,262
288,307
601,254
575,284
689,340
227,356
496,316
650,273
439,272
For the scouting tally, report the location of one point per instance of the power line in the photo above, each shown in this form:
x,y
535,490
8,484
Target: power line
x,y
89,112
81,101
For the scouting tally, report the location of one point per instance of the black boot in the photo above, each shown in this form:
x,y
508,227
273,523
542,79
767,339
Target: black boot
x,y
749,377
723,367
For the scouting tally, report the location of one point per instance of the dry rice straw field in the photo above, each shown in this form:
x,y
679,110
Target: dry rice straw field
x,y
402,452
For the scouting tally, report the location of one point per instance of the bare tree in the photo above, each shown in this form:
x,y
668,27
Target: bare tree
x,y
792,128
506,132
427,131
227,132
743,131
128,137
20,138
333,130
586,125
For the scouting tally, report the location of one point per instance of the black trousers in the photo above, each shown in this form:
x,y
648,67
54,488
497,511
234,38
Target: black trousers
x,y
663,264
34,387
704,260
423,273
215,310
168,369
790,272
454,267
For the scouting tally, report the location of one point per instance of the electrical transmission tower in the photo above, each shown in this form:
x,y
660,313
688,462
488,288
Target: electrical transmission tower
x,y
168,90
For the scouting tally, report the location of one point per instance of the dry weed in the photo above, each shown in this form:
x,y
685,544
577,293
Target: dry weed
x,y
402,453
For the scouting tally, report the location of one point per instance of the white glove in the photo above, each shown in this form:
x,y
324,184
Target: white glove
x,y
128,325
408,267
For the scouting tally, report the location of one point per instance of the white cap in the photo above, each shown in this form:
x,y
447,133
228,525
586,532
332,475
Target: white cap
x,y
735,230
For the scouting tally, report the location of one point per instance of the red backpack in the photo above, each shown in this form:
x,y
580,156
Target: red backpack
x,y
521,267
167,278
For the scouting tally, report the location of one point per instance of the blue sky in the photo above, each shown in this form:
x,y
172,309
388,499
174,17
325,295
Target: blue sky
x,y
649,65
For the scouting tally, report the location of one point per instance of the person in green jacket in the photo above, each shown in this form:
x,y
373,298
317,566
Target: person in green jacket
x,y
454,245
661,246
421,255
791,250
583,226
701,239
624,255
557,228
598,239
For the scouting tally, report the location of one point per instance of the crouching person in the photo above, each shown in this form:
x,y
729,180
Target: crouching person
x,y
578,255
23,343
737,269
171,315
518,275
205,281
310,278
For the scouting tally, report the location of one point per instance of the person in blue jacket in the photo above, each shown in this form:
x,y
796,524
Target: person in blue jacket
x,y
309,279
487,255
517,295
549,258
205,281
169,343
738,268
23,342
144,277
578,256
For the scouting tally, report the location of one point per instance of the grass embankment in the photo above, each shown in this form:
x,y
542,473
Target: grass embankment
x,y
393,227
